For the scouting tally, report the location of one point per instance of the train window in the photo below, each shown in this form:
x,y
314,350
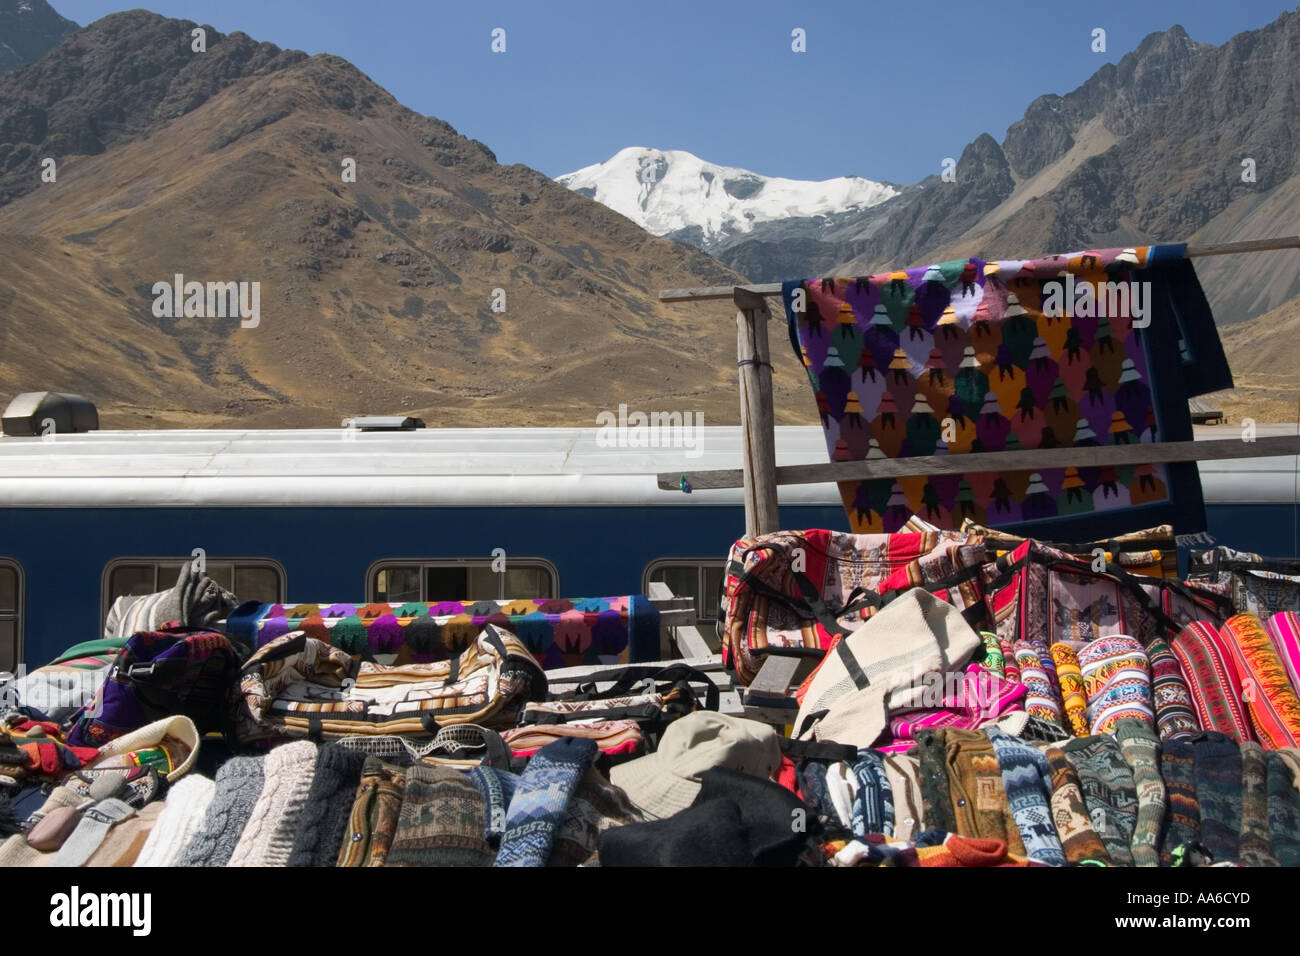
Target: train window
x,y
11,608
249,579
461,580
700,579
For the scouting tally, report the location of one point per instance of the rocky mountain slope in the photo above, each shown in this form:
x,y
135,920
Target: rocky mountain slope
x,y
28,30
439,283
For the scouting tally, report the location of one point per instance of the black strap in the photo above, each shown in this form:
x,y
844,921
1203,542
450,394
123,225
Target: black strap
x,y
624,680
856,673
315,728
294,645
453,668
817,750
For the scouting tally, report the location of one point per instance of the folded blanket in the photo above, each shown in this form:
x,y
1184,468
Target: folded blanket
x,y
1041,700
1269,697
1212,679
1117,678
1175,710
1284,630
1074,695
195,600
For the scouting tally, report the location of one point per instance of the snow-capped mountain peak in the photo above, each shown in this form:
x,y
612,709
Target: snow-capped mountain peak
x,y
664,191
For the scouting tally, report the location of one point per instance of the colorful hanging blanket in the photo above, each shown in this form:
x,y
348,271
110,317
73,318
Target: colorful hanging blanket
x,y
560,632
1094,348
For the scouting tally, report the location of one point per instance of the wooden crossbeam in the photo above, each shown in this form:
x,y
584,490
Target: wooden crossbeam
x,y
1032,459
1194,251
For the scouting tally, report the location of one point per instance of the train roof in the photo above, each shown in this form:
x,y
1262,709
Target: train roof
x,y
452,467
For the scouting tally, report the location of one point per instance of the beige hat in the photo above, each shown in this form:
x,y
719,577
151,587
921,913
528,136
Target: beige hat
x,y
668,780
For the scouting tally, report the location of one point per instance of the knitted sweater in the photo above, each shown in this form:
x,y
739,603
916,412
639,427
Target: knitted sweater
x,y
323,820
239,784
267,839
187,803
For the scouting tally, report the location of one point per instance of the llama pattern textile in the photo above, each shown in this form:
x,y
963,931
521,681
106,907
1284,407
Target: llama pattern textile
x,y
1141,749
538,807
1254,848
1212,680
1108,791
1028,785
1079,841
1270,699
971,355
1283,810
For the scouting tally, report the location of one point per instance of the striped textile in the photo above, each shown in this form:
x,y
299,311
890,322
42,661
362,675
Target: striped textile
x,y
1074,696
1010,669
1212,680
1117,678
1040,701
1270,699
993,659
1284,629
980,697
1175,710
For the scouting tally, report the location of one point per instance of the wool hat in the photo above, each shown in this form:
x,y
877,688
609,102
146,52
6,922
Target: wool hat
x,y
1217,769
267,839
1141,749
711,833
323,822
1182,825
1079,841
882,667
668,780
1109,792
440,822
187,803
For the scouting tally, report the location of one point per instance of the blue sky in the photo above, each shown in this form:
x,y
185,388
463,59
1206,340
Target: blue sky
x,y
885,90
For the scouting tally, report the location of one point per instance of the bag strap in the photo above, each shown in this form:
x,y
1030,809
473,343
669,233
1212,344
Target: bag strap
x,y
817,750
625,678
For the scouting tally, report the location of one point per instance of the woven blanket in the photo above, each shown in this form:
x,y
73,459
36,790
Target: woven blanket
x,y
1093,348
1266,689
560,632
1212,680
1284,629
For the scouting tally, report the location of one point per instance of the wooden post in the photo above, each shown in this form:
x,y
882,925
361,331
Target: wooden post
x,y
756,416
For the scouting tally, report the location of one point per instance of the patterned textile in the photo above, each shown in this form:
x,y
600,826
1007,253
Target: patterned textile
x,y
993,659
980,696
978,796
1217,763
1255,848
497,787
297,686
1256,584
1182,826
541,801
1108,791
441,821
1152,551
1283,810
1074,696
846,571
66,684
972,356
615,738
1175,710
373,821
1212,679
1040,700
1266,689
558,632
1041,594
1141,749
596,806
873,803
1010,669
1027,780
1079,841
1284,630
1117,679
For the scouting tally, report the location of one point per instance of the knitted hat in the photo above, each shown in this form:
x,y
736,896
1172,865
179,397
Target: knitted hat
x,y
238,785
1254,847
1027,781
1109,792
1117,677
267,839
1182,825
187,803
1284,807
441,821
323,821
1079,841
538,808
882,666
668,780
1141,749
1217,768
1270,699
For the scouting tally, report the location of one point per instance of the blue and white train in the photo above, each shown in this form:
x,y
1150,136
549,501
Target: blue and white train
x,y
342,515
